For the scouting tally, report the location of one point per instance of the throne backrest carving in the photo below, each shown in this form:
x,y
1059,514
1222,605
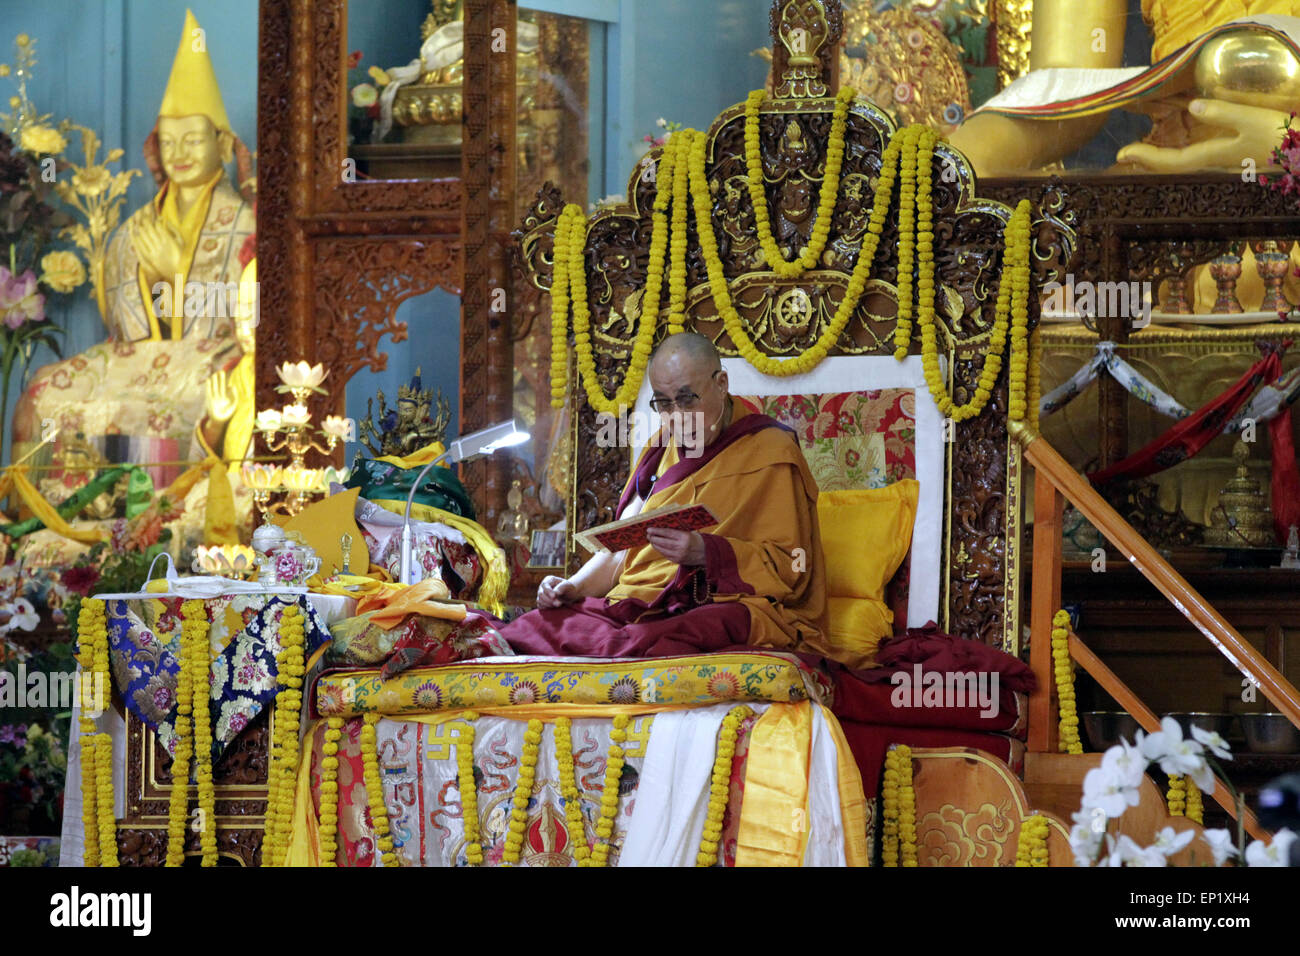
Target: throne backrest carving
x,y
784,316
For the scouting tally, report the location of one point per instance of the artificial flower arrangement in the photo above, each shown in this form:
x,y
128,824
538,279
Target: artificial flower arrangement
x,y
32,166
363,97
1110,789
121,564
1286,156
33,762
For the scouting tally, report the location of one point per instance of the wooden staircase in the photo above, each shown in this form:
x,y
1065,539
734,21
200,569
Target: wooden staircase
x,y
970,806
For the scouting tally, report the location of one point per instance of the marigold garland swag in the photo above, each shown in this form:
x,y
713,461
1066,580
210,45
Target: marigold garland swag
x,y
720,786
193,741
609,795
908,158
194,637
1068,735
523,793
329,792
1031,845
569,791
98,819
899,832
282,776
375,791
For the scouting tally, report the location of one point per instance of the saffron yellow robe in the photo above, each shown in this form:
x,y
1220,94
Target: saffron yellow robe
x,y
765,551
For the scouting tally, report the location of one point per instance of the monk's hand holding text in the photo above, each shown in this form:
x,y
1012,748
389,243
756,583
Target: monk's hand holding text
x,y
556,591
683,547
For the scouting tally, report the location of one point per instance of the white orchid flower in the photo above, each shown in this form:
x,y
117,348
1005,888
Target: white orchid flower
x,y
1221,844
1126,762
24,615
1103,787
1177,755
1084,843
1213,742
1129,853
1169,841
1277,853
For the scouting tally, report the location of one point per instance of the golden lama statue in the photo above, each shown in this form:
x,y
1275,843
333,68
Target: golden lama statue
x,y
1225,75
174,381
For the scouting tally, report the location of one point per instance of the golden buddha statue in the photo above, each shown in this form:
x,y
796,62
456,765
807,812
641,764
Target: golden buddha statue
x,y
174,381
1226,74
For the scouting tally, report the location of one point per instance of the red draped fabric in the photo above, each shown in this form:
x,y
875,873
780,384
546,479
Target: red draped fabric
x,y
1286,477
1186,438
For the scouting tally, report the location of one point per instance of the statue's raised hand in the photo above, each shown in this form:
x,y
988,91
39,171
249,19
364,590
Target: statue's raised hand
x,y
160,248
1240,137
222,400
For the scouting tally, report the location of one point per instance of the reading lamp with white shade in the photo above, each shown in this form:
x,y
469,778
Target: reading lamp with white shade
x,y
466,448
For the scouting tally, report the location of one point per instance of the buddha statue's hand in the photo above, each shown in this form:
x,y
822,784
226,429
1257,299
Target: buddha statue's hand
x,y
160,248
683,547
556,591
222,398
1243,138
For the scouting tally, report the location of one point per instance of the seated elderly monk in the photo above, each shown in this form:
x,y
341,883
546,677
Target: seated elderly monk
x,y
757,577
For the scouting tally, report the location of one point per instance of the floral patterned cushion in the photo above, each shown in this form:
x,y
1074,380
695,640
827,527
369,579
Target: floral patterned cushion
x,y
861,439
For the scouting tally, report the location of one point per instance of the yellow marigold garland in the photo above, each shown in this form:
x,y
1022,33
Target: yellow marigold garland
x,y
906,807
720,787
827,197
375,791
569,791
1031,845
609,795
560,306
1177,795
1068,741
908,157
469,790
569,287
923,143
852,294
97,815
907,169
899,831
523,793
680,143
1195,809
1010,313
178,804
89,805
329,792
283,774
194,633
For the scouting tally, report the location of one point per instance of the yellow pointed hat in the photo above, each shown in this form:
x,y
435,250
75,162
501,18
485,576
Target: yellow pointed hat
x,y
192,88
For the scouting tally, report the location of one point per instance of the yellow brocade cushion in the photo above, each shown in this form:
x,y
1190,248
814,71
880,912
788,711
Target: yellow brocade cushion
x,y
866,534
856,627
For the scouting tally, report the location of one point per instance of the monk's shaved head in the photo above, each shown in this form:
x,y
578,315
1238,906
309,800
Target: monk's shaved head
x,y
692,346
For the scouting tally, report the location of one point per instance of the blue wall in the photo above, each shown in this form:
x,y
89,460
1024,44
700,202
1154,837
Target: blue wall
x,y
684,60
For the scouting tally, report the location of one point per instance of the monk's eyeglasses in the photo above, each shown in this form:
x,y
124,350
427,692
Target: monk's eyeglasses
x,y
686,401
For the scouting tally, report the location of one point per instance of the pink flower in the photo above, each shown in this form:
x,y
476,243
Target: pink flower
x,y
20,301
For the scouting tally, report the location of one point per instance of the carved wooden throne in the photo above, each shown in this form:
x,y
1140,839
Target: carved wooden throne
x,y
981,477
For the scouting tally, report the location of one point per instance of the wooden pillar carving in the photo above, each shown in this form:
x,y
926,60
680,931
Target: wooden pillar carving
x,y
489,180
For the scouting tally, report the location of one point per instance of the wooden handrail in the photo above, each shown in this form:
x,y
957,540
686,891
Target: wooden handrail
x,y
1052,469
1139,711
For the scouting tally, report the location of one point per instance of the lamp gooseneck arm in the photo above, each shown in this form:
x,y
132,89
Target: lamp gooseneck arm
x,y
406,519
